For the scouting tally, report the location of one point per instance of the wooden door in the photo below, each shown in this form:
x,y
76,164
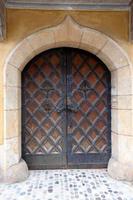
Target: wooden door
x,y
89,128
44,128
65,110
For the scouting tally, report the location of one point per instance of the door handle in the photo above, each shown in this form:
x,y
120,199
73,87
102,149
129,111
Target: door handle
x,y
72,107
60,109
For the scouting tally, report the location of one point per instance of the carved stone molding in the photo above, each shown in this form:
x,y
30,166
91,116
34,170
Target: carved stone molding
x,y
2,20
117,5
131,22
70,4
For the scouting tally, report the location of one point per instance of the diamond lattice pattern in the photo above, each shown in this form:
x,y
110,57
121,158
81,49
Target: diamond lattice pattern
x,y
42,92
90,91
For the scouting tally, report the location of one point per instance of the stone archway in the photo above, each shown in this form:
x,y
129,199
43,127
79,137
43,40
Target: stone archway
x,y
70,34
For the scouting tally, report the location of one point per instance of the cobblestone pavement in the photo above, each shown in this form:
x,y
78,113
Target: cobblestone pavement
x,y
72,184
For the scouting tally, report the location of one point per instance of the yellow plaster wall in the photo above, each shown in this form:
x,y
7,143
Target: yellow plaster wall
x,y
21,23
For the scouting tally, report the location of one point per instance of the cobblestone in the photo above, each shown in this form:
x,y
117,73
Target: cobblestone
x,y
71,184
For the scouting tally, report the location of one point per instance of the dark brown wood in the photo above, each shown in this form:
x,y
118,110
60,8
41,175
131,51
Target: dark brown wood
x,y
88,126
44,129
66,110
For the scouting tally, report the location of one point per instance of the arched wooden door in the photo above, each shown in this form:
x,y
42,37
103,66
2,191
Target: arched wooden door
x,y
66,114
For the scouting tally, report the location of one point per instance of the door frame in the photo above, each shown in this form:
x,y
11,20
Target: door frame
x,y
110,52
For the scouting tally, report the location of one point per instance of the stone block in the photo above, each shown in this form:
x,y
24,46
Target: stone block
x,y
122,122
12,98
93,40
12,123
12,76
12,151
21,55
120,171
113,56
42,40
68,33
122,148
121,102
124,81
17,173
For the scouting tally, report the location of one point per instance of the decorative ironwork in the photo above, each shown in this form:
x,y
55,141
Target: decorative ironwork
x,y
47,105
68,107
85,87
72,106
61,107
47,87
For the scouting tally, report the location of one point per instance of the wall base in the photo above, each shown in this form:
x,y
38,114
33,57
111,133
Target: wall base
x,y
17,173
120,171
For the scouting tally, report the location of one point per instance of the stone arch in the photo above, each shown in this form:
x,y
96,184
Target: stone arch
x,y
70,34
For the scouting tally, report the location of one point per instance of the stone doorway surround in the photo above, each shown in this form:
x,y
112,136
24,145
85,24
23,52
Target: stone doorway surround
x,y
69,34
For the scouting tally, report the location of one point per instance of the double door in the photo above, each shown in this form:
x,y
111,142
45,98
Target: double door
x,y
65,110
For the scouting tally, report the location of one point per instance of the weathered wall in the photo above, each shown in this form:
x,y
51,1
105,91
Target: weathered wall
x,y
21,23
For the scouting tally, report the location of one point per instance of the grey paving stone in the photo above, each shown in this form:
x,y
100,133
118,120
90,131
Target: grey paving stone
x,y
72,184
